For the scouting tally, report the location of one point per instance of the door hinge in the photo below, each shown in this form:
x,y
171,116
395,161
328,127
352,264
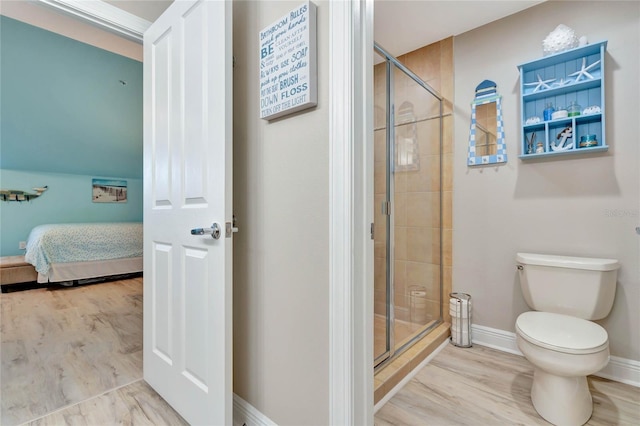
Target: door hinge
x,y
372,231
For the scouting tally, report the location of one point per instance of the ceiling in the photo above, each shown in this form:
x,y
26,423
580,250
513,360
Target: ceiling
x,y
145,9
400,26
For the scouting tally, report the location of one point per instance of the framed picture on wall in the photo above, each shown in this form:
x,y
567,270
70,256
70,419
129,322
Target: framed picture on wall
x,y
109,191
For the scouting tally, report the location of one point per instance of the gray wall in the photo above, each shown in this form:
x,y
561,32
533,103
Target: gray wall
x,y
281,254
583,206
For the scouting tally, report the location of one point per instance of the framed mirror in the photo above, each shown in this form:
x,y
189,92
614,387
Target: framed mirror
x,y
486,135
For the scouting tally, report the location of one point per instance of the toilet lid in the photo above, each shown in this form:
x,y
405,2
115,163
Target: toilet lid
x,y
562,333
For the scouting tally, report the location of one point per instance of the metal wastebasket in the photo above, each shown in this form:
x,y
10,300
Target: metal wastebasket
x,y
460,310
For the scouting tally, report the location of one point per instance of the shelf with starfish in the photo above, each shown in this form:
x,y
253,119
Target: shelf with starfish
x,y
561,90
574,78
563,69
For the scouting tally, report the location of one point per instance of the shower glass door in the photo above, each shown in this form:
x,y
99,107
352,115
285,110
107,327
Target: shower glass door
x,y
407,209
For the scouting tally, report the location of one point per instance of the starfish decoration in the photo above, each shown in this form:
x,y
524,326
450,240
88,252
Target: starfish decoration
x,y
540,84
562,82
584,70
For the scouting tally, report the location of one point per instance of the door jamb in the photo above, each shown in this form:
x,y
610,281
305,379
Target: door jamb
x,y
351,213
102,15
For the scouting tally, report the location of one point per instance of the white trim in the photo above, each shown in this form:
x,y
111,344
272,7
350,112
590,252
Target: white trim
x,y
351,177
622,370
494,338
246,414
410,376
102,15
619,369
340,226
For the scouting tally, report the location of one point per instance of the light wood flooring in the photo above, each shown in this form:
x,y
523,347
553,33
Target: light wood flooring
x,y
481,386
74,356
78,349
135,404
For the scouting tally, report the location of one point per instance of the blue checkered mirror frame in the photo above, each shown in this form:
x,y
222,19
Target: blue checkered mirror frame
x,y
501,151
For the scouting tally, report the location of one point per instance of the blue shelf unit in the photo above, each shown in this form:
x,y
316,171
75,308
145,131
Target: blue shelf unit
x,y
560,89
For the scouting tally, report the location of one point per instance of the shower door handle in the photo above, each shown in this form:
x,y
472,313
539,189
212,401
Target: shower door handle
x,y
385,208
214,231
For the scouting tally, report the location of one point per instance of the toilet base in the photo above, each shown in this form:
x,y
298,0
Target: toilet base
x,y
562,401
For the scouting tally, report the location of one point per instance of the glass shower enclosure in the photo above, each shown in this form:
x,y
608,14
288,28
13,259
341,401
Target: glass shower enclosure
x,y
407,209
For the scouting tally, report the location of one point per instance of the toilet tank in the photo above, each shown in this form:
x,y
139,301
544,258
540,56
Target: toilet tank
x,y
578,286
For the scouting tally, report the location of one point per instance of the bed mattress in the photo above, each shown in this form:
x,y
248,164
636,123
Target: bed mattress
x,y
88,242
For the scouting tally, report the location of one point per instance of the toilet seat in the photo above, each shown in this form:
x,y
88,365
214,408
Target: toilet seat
x,y
562,333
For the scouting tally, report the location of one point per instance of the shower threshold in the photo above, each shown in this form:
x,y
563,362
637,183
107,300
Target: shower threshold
x,y
391,372
406,332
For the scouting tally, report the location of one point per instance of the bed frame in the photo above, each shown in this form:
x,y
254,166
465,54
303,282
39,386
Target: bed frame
x,y
72,271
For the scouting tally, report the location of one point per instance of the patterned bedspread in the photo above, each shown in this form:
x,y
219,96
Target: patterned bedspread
x,y
79,242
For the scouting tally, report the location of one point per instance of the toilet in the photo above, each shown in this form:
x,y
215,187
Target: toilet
x,y
558,337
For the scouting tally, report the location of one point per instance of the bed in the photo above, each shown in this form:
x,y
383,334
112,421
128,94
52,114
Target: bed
x,y
78,251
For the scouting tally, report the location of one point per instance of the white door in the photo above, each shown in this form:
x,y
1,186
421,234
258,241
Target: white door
x,y
187,184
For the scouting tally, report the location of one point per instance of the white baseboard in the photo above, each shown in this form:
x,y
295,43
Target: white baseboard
x,y
494,338
619,369
245,414
408,377
622,370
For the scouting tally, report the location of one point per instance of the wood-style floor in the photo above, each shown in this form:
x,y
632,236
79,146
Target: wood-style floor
x,y
74,356
135,404
78,349
481,386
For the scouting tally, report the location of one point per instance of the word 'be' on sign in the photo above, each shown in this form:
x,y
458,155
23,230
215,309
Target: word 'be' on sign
x,y
288,71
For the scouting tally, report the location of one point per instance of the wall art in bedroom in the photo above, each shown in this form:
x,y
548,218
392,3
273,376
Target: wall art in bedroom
x,y
109,191
17,195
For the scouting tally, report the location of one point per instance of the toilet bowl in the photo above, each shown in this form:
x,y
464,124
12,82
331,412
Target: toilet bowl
x,y
563,350
558,338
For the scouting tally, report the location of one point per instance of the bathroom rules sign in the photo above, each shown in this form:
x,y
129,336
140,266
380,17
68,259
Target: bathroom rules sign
x,y
288,71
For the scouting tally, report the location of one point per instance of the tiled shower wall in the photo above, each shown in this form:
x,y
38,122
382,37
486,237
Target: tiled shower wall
x,y
417,196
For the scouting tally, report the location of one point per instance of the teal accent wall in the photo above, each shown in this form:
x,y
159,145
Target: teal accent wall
x,y
68,200
64,108
65,118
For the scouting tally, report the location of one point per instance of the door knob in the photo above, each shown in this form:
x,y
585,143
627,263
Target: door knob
x,y
214,231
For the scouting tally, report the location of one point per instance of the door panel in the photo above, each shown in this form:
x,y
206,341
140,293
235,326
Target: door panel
x,y
187,181
161,297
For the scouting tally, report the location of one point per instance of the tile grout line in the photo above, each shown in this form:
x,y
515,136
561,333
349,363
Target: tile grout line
x,y
80,402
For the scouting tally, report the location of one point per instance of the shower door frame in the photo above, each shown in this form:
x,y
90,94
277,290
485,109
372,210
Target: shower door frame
x,y
388,207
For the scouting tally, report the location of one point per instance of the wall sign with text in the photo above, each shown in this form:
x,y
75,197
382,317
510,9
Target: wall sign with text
x,y
288,69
